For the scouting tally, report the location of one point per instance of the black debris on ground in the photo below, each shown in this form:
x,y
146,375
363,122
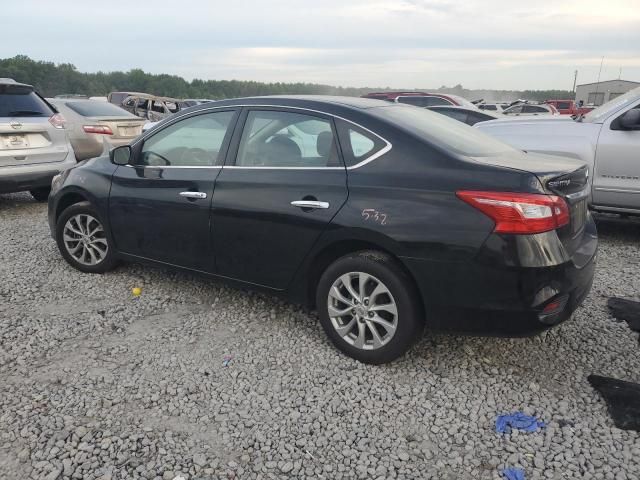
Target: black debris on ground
x,y
627,310
623,400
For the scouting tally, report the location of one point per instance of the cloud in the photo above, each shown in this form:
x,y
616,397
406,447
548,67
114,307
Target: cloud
x,y
401,43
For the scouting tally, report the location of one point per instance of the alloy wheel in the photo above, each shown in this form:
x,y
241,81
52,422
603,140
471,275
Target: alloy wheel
x,y
362,310
85,239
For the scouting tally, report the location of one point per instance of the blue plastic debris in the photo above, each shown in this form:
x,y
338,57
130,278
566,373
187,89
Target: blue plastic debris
x,y
227,360
519,421
513,474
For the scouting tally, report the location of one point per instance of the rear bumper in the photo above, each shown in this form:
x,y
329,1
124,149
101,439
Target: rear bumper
x,y
29,177
494,296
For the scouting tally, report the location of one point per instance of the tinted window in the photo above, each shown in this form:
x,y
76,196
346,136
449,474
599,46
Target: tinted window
x,y
21,102
514,109
98,109
285,139
442,131
533,109
459,115
564,105
423,101
195,141
488,107
357,143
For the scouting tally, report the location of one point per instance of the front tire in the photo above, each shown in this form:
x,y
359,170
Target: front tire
x,y
83,240
368,306
40,194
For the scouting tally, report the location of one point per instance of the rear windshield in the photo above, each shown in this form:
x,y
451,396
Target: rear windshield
x,y
443,131
98,109
16,101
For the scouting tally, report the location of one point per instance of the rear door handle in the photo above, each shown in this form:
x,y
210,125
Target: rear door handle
x,y
193,194
310,204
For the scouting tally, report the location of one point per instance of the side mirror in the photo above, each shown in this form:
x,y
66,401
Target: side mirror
x,y
630,120
120,155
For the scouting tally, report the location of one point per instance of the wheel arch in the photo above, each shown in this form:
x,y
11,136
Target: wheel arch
x,y
69,198
339,248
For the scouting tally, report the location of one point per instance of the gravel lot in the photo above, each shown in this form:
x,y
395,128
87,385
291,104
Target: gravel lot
x,y
97,384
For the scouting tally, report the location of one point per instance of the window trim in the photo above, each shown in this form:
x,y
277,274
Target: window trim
x,y
240,132
448,102
138,145
175,118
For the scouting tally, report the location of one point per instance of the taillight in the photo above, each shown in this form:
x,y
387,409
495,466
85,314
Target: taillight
x,y
519,213
57,120
101,129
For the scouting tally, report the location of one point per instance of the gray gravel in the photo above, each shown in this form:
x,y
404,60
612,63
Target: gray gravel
x,y
97,384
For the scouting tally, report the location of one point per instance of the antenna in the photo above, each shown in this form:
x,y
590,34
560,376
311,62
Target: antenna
x,y
598,82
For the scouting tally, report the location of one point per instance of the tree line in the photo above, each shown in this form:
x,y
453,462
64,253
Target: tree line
x,y
52,79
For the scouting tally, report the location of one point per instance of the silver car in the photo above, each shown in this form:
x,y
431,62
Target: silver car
x,y
95,127
34,146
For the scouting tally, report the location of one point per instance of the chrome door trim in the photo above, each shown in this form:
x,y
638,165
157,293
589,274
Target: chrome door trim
x,y
369,159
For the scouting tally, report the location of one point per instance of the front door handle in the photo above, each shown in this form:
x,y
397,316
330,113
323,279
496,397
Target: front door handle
x,y
310,204
193,194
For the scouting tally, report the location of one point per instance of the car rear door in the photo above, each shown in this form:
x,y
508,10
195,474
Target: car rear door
x,y
616,181
159,206
284,183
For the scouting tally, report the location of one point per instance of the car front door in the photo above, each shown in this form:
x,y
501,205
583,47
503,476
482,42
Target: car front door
x,y
284,183
159,206
616,181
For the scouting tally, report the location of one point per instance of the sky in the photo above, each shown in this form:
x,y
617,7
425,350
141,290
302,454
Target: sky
x,y
490,44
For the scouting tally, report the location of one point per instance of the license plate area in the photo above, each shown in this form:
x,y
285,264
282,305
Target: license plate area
x,y
12,141
128,131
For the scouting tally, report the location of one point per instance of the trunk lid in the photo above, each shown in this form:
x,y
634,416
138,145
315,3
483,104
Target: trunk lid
x,y
123,128
30,140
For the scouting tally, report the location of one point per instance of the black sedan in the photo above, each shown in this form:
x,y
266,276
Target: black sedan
x,y
384,217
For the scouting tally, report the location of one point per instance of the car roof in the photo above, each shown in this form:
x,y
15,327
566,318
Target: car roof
x,y
305,101
11,81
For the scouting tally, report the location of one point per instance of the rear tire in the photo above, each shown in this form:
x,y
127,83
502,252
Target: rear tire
x,y
83,241
369,307
40,194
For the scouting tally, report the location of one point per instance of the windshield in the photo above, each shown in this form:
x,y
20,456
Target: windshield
x,y
443,131
603,112
98,109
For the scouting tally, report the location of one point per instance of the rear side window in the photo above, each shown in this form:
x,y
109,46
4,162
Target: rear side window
x,y
16,101
358,144
98,109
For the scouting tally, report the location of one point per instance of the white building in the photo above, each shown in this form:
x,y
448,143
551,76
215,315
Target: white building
x,y
601,92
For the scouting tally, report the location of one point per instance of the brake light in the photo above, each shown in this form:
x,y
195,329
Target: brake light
x,y
519,213
100,129
57,120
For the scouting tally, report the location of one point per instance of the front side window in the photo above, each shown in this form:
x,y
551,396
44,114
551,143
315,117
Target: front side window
x,y
514,109
192,142
285,139
564,105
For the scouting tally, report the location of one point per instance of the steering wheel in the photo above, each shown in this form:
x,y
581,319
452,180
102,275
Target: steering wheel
x,y
195,155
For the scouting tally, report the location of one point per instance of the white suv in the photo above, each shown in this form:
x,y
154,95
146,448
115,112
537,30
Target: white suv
x,y
34,146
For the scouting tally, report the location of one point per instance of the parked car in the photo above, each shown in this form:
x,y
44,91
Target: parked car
x,y
530,109
493,107
398,216
94,127
470,116
568,107
607,139
118,97
421,99
33,142
151,107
